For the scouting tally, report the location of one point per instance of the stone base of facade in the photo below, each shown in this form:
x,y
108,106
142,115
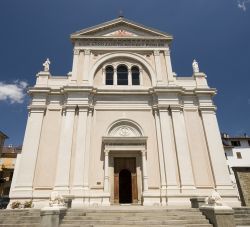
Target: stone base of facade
x,y
40,199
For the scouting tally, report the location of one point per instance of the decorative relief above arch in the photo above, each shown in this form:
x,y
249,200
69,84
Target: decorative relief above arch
x,y
124,131
125,128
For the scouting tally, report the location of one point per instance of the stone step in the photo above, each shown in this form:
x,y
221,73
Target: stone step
x,y
242,210
18,215
242,221
136,215
20,225
13,221
135,222
143,225
20,211
20,218
133,210
38,219
82,213
241,215
144,218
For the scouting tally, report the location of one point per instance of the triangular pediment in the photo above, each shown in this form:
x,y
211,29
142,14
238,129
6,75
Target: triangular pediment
x,y
120,28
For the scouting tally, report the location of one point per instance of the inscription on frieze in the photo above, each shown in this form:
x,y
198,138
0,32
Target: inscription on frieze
x,y
126,43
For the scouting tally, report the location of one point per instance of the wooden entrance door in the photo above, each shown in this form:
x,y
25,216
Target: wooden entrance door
x,y
125,168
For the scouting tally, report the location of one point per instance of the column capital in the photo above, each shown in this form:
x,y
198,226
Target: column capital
x,y
76,51
155,109
87,52
208,109
175,108
106,152
156,52
83,108
69,108
90,109
37,108
163,108
167,52
144,152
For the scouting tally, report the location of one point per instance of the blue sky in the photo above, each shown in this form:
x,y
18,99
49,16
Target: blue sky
x,y
216,33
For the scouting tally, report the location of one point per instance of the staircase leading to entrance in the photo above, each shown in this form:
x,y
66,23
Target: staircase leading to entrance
x,y
242,216
134,216
20,218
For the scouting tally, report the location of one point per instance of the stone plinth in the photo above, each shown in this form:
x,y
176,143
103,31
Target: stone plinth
x,y
219,216
197,202
52,216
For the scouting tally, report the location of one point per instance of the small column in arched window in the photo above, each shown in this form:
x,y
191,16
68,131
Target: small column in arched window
x,y
135,75
129,77
109,75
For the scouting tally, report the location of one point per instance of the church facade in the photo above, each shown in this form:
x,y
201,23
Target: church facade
x,y
121,128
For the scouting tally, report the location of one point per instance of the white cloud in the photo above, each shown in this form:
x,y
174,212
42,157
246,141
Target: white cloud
x,y
242,4
14,92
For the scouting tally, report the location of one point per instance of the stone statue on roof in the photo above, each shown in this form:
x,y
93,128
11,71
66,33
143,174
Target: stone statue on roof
x,y
195,67
46,65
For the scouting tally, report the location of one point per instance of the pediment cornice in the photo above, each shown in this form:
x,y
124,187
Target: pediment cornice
x,y
120,28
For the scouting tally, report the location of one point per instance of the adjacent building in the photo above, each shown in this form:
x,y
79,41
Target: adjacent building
x,y
3,137
237,152
7,165
121,127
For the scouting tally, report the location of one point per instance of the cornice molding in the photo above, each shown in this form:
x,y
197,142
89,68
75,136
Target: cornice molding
x,y
209,109
33,90
37,108
208,91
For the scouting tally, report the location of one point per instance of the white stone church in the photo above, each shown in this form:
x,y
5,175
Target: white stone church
x,y
121,128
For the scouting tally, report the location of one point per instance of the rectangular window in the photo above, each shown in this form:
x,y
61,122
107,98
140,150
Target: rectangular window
x,y
248,142
235,143
238,154
109,79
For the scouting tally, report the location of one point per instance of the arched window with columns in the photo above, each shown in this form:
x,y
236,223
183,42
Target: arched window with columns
x,y
122,75
135,75
109,73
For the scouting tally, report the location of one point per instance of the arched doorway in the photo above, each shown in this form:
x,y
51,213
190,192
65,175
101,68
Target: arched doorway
x,y
125,186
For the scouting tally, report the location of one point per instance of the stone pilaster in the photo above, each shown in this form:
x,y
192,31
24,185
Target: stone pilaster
x,y
27,165
86,62
158,67
215,148
106,171
161,155
87,153
182,148
64,151
76,54
77,185
144,171
168,151
171,78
